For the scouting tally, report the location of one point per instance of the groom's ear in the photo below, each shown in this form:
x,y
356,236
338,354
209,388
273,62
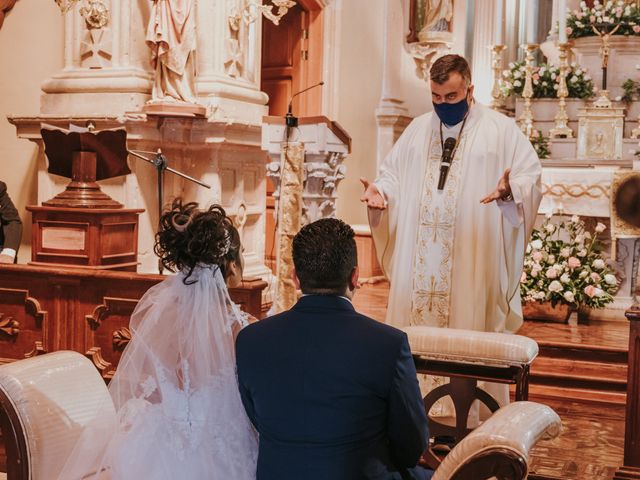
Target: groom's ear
x,y
353,278
296,279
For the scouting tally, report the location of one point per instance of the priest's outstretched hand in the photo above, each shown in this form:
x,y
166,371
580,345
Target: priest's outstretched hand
x,y
502,191
372,196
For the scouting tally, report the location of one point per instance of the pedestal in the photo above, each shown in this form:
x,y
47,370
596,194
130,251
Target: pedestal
x,y
101,239
600,133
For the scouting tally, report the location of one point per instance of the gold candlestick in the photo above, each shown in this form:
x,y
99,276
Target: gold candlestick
x,y
496,64
526,119
561,128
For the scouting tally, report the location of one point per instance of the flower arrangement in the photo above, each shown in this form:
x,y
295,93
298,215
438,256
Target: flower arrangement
x,y
604,16
631,90
540,144
563,264
546,81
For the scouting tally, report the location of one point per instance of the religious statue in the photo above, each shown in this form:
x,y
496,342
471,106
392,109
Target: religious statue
x,y
437,16
172,39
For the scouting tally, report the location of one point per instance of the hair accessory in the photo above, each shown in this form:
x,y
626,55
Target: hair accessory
x,y
227,245
180,227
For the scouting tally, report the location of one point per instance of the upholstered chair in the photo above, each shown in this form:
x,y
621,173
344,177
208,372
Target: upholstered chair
x,y
46,403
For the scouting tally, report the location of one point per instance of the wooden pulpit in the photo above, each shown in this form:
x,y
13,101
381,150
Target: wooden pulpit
x,y
83,226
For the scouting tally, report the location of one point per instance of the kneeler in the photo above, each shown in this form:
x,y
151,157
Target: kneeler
x,y
467,356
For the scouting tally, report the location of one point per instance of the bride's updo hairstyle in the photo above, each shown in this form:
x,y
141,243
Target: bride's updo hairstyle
x,y
189,236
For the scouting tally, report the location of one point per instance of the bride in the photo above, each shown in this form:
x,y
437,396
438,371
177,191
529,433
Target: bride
x,y
178,413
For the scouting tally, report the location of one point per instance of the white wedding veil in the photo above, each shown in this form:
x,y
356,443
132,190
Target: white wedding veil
x,y
178,412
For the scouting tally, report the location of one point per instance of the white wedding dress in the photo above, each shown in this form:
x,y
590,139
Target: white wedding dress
x,y
178,412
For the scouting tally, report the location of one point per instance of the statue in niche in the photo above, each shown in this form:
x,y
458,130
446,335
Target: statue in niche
x,y
437,16
172,38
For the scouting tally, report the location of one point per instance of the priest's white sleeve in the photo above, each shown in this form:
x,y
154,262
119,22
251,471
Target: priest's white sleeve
x,y
526,172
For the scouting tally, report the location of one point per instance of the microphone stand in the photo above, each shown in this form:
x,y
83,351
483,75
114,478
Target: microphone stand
x,y
160,162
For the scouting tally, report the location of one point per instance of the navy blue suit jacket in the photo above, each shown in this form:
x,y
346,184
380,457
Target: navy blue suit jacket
x,y
332,393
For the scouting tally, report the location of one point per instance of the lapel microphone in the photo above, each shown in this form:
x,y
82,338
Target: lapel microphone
x,y
445,162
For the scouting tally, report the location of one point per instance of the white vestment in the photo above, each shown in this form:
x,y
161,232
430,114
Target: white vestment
x,y
452,261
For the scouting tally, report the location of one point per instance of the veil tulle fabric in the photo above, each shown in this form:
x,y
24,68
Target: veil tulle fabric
x,y
178,412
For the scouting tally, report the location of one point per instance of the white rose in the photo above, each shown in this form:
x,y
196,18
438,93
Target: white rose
x,y
537,244
517,83
565,252
540,295
583,274
600,227
550,228
551,273
610,279
575,219
555,286
598,263
587,235
565,278
580,238
568,296
552,259
598,292
582,253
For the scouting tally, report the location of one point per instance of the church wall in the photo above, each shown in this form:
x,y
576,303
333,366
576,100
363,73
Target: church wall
x,y
32,40
359,82
359,74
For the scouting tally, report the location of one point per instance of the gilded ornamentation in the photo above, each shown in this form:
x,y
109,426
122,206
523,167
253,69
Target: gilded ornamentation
x,y
95,13
121,339
576,190
290,215
526,119
9,325
432,270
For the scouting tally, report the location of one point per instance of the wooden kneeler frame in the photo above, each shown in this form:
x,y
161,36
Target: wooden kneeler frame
x,y
463,390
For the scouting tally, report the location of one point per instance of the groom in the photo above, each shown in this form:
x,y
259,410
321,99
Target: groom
x,y
332,393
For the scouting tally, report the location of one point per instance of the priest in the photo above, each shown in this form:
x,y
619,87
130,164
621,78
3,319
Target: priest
x,y
452,209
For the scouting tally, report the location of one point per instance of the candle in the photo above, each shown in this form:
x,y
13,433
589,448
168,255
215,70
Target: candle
x,y
530,22
562,29
497,23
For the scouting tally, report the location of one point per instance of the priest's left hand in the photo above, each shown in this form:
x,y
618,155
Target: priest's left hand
x,y
503,191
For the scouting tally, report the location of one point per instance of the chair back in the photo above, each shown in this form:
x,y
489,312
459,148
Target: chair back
x,y
500,446
47,401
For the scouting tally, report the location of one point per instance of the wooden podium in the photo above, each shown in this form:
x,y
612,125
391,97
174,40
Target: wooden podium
x,y
83,226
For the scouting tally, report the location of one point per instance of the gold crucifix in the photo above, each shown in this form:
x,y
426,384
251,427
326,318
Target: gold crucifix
x,y
436,225
431,293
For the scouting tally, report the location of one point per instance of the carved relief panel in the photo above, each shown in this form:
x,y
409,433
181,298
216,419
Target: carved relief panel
x,y
23,325
109,335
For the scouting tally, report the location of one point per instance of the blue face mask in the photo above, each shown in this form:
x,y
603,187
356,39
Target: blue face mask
x,y
452,113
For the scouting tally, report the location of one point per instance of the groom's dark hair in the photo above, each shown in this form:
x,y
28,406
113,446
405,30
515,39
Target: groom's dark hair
x,y
325,254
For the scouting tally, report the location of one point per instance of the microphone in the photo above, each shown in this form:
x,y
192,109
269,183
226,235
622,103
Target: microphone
x,y
290,120
445,162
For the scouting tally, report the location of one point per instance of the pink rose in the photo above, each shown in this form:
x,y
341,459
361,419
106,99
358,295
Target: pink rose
x,y
618,12
636,28
536,76
523,277
592,19
551,273
579,15
573,262
537,256
590,290
569,30
595,277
